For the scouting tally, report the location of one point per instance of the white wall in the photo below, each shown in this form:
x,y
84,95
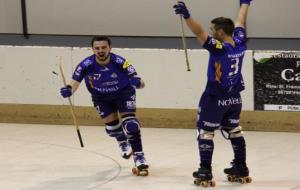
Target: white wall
x,y
10,16
26,76
267,18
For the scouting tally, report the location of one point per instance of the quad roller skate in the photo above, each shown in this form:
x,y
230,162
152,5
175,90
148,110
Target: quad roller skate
x,y
141,167
203,177
125,149
239,172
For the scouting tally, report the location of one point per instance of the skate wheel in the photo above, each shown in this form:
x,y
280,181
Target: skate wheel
x,y
143,172
204,184
138,172
242,180
134,171
212,183
196,182
248,179
230,178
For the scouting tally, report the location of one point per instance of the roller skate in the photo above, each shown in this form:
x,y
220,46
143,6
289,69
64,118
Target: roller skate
x,y
203,177
239,172
125,149
141,167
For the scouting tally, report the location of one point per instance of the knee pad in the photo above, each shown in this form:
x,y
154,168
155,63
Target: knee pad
x,y
131,125
235,132
114,129
203,134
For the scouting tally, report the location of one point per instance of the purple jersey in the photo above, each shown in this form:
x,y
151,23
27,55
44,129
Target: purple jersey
x,y
225,64
104,79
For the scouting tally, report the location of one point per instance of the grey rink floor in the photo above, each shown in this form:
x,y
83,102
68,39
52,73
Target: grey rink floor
x,y
48,157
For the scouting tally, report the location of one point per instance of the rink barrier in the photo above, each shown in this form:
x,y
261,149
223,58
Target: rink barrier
x,y
270,121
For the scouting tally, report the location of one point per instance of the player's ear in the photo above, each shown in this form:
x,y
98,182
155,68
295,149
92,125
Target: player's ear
x,y
221,33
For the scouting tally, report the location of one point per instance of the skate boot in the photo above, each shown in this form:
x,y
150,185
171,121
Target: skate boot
x,y
125,149
141,166
239,172
204,177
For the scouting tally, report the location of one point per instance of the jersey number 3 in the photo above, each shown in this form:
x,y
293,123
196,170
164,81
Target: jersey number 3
x,y
234,66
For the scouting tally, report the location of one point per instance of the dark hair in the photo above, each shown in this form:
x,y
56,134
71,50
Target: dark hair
x,y
100,38
226,24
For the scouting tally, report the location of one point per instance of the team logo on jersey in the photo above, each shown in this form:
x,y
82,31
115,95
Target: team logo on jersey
x,y
114,75
126,65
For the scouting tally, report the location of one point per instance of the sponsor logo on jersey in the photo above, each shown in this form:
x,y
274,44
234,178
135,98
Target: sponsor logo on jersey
x,y
78,70
210,124
130,104
126,65
105,69
114,75
119,60
132,97
110,83
219,45
87,62
234,121
107,90
216,43
131,69
205,147
229,101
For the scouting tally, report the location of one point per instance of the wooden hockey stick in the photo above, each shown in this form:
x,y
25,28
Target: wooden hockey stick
x,y
184,45
70,102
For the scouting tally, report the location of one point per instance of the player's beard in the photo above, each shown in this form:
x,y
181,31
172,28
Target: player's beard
x,y
103,57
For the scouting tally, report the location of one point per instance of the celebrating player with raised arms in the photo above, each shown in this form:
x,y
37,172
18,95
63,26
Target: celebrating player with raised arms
x,y
220,104
111,81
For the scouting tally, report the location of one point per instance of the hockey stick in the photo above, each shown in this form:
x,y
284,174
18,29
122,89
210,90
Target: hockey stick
x,y
184,45
70,102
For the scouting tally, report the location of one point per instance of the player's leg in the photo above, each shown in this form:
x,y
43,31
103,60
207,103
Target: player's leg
x,y
109,115
209,119
127,107
230,124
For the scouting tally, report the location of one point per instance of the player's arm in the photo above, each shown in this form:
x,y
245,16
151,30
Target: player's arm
x,y
134,79
242,15
70,89
77,77
194,26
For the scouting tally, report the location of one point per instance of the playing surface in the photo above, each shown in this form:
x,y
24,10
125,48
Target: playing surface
x,y
49,157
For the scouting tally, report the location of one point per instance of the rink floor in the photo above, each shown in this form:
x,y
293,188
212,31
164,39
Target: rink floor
x,y
49,157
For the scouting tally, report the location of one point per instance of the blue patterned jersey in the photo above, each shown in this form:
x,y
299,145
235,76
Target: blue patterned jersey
x,y
225,64
104,79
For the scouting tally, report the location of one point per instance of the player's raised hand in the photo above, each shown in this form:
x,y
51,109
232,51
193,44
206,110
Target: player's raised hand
x,y
66,91
181,9
245,2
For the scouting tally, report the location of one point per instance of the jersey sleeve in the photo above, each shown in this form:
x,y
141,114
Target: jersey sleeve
x,y
240,35
214,46
126,66
80,70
